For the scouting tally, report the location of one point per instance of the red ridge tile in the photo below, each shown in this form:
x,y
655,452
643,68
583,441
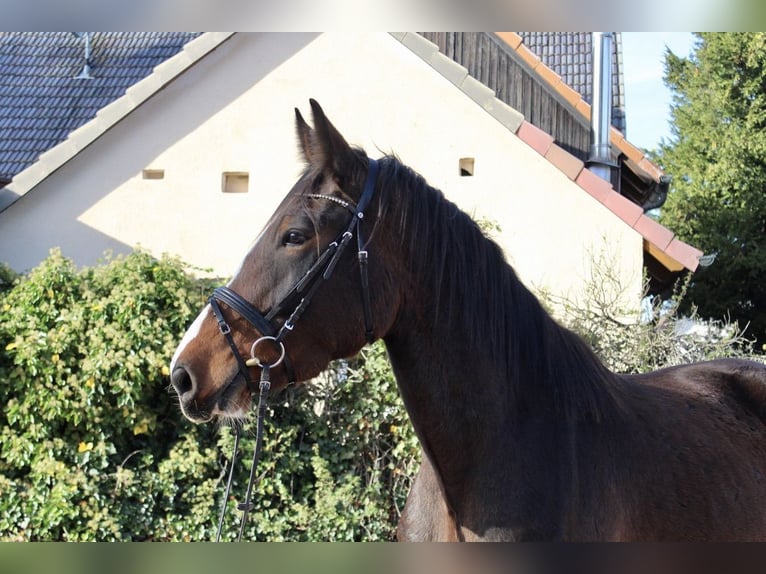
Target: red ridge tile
x,y
535,137
532,59
654,232
594,185
565,161
510,38
650,168
623,208
685,254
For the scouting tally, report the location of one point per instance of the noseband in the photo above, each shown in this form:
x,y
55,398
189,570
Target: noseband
x,y
321,270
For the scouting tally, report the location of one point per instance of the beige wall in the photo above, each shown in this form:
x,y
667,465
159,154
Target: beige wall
x,y
233,111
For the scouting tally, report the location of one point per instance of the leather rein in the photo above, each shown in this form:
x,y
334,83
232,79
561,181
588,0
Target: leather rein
x,y
320,271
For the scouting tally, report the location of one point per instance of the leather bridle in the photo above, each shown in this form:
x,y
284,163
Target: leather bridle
x,y
305,289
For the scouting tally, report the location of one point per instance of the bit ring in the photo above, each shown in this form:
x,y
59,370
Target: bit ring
x,y
254,361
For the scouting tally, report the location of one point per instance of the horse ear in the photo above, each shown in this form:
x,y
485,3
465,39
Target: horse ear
x,y
304,135
328,149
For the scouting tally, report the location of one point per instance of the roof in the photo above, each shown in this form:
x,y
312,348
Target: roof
x,y
674,254
569,55
659,242
641,181
41,99
105,117
581,105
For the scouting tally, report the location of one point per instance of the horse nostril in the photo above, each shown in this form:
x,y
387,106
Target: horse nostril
x,y
182,382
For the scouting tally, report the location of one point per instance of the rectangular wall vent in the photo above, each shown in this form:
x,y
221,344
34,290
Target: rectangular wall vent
x,y
153,174
466,166
236,182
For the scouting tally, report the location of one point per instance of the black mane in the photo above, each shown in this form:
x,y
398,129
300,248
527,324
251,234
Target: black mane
x,y
476,290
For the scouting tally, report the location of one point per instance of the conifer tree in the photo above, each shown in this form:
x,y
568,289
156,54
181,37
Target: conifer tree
x,y
717,158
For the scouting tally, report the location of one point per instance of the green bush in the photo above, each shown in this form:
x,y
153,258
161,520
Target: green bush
x,y
93,445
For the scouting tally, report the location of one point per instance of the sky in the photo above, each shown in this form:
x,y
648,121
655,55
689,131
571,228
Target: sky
x,y
647,99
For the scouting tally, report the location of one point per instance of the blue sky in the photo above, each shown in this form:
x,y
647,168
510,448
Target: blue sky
x,y
647,99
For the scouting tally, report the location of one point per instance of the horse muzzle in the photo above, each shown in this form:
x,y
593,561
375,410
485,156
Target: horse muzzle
x,y
187,388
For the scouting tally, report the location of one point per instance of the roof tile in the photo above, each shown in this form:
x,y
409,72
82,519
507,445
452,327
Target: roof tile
x,y
594,185
631,152
654,232
584,108
42,101
649,168
565,161
448,68
623,208
549,75
685,254
568,54
477,91
528,56
418,44
505,114
510,38
535,137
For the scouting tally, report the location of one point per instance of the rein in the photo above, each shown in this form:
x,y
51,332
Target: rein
x,y
306,287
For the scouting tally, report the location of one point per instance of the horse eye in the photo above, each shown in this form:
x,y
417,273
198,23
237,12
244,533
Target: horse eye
x,y
294,237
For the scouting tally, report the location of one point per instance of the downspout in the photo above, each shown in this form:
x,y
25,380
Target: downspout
x,y
600,158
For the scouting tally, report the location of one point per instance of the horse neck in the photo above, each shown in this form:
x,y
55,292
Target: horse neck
x,y
457,389
473,351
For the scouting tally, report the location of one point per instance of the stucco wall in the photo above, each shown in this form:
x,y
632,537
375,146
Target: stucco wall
x,y
233,111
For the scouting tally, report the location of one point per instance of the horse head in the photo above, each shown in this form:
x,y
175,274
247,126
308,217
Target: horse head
x,y
311,288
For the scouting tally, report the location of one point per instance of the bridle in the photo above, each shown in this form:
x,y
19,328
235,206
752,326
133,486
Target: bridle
x,y
305,289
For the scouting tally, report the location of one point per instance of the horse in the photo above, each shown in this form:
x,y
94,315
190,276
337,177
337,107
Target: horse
x,y
525,434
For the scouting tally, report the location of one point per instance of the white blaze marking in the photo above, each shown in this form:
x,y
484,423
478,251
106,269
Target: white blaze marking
x,y
195,327
190,334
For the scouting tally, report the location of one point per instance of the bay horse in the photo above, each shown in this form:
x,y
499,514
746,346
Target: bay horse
x,y
525,434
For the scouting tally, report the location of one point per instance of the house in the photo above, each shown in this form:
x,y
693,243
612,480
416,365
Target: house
x,y
194,157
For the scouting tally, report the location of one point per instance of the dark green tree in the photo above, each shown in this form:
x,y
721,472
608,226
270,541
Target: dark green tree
x,y
717,157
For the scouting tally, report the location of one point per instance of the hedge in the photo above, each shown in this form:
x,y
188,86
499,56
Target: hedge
x,y
93,445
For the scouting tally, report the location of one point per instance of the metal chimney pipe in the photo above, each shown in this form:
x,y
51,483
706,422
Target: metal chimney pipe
x,y
600,158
